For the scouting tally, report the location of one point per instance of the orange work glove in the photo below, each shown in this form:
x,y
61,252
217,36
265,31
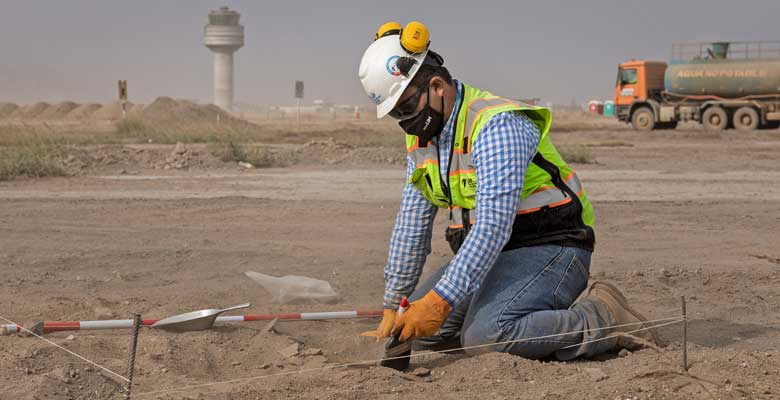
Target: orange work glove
x,y
385,326
423,318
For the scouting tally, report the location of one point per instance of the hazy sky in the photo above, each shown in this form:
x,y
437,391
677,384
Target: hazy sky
x,y
555,50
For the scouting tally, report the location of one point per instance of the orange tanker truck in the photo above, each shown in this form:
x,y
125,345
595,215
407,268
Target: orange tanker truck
x,y
720,85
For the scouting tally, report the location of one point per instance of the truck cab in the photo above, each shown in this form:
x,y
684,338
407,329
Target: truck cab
x,y
637,92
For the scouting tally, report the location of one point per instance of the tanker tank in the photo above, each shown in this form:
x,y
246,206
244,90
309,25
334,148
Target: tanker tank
x,y
716,73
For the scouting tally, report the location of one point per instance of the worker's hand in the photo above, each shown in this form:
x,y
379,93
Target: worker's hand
x,y
383,331
423,318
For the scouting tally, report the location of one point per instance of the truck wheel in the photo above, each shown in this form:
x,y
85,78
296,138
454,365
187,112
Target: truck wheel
x,y
643,119
715,119
746,119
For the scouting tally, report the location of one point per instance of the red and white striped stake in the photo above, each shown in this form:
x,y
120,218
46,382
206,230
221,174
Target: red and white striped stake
x,y
60,326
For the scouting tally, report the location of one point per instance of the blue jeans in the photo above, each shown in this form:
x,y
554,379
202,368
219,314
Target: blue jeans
x,y
529,292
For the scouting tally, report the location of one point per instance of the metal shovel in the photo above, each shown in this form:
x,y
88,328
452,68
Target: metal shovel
x,y
195,320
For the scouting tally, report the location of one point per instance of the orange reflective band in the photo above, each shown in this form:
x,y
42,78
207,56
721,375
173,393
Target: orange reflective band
x,y
462,171
427,161
457,226
415,146
543,188
471,128
553,205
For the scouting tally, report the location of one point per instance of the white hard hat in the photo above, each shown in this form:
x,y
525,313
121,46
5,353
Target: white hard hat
x,y
382,80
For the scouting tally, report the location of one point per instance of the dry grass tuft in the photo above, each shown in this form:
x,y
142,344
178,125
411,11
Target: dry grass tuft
x,y
258,156
34,160
576,154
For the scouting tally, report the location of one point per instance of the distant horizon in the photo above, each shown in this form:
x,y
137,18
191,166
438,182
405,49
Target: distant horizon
x,y
556,51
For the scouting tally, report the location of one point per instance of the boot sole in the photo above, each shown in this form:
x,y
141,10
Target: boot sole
x,y
615,292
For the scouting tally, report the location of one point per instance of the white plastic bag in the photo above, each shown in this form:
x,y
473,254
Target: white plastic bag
x,y
294,288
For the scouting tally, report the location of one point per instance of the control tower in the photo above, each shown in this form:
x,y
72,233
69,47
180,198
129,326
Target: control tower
x,y
223,35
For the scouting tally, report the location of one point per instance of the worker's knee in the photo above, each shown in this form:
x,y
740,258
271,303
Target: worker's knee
x,y
477,339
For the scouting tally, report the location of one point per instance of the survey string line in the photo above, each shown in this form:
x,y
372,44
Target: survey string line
x,y
668,321
64,349
614,337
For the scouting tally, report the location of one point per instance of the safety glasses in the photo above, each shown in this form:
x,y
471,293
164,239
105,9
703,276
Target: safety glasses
x,y
407,109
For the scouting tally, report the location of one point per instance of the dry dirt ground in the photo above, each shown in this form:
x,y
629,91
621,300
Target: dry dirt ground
x,y
678,213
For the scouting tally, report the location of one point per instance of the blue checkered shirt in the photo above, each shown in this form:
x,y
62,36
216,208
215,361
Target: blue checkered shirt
x,y
501,154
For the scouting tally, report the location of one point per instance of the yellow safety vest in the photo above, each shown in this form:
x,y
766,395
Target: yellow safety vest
x,y
553,206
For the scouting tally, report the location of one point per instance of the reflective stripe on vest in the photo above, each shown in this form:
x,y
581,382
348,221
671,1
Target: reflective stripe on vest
x,y
550,196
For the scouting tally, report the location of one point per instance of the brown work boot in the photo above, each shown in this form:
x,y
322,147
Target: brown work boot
x,y
623,314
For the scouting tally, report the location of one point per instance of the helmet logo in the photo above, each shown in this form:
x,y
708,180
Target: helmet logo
x,y
375,97
392,68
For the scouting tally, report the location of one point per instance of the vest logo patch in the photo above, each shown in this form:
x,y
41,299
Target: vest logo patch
x,y
469,182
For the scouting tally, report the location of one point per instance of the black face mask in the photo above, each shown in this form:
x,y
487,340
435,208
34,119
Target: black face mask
x,y
427,124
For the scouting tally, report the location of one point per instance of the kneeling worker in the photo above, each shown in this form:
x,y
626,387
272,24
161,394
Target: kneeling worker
x,y
520,222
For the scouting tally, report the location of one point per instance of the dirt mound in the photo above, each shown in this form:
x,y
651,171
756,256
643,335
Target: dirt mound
x,y
31,111
136,110
110,111
6,109
83,112
166,109
58,111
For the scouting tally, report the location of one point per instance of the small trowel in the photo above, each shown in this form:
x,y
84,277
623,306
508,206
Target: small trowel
x,y
397,353
194,321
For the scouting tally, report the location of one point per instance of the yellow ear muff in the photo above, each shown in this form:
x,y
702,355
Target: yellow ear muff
x,y
415,37
388,28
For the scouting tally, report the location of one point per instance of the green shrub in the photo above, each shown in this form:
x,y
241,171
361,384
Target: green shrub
x,y
30,161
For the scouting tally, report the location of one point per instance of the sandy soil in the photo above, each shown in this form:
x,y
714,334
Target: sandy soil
x,y
679,213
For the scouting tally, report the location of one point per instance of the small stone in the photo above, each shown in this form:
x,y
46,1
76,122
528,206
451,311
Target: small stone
x,y
265,366
235,363
290,351
179,149
624,353
421,371
312,352
295,361
164,370
596,374
70,337
315,362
